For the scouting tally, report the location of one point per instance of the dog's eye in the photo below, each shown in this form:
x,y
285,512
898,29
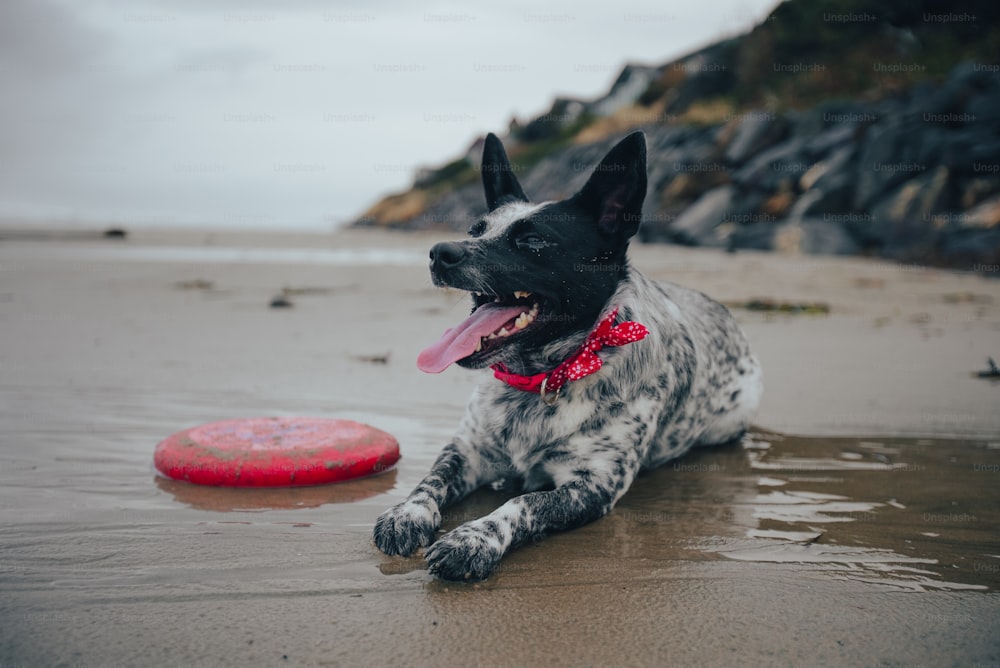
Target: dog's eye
x,y
531,241
477,229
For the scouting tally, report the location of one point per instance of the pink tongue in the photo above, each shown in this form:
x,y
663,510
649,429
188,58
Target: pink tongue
x,y
461,340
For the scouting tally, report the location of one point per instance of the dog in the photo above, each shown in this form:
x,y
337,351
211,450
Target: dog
x,y
599,372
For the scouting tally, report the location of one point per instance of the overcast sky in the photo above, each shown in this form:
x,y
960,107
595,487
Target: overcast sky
x,y
294,114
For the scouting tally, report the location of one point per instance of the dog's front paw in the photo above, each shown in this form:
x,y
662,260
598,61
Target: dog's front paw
x,y
466,554
403,528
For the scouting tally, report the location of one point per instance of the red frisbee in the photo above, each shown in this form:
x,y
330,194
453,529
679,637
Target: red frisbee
x,y
276,452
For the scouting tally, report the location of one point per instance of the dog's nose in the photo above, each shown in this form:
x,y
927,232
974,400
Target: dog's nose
x,y
447,254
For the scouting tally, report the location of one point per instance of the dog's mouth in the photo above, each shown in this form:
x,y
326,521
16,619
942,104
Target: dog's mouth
x,y
494,321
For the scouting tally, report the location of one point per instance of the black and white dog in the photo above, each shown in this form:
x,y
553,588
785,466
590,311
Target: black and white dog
x,y
551,288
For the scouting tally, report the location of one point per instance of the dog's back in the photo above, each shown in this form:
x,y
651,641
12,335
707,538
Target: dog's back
x,y
703,354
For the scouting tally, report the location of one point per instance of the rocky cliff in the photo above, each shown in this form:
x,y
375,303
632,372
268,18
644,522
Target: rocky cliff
x,y
848,127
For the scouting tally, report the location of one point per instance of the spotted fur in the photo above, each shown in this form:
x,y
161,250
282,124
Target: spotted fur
x,y
692,381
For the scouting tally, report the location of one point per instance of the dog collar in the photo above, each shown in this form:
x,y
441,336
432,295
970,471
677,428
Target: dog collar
x,y
580,364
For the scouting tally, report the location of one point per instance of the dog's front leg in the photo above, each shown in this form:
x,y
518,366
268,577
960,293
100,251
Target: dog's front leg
x,y
473,551
413,523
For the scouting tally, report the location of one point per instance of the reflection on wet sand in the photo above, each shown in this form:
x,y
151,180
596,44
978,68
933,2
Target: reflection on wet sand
x,y
247,499
908,514
904,514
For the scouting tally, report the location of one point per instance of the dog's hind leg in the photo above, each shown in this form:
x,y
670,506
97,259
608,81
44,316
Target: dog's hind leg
x,y
413,523
737,404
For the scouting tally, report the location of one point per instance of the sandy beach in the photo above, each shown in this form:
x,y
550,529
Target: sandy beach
x,y
859,524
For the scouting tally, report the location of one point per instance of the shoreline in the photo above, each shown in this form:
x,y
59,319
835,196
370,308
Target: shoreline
x,y
393,237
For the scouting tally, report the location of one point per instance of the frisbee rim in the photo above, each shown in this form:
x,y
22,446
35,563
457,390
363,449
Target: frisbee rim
x,y
293,461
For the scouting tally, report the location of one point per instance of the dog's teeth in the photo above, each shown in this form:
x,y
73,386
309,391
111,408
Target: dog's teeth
x,y
479,345
522,321
503,332
491,337
518,294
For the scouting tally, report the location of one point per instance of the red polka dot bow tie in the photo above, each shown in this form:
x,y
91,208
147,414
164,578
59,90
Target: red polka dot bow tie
x,y
580,364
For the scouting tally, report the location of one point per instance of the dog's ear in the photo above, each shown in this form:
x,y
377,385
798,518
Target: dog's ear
x,y
499,182
617,188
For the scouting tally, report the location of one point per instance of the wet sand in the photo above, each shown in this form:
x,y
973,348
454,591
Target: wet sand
x,y
858,525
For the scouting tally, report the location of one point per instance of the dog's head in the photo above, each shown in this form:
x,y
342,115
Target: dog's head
x,y
540,275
